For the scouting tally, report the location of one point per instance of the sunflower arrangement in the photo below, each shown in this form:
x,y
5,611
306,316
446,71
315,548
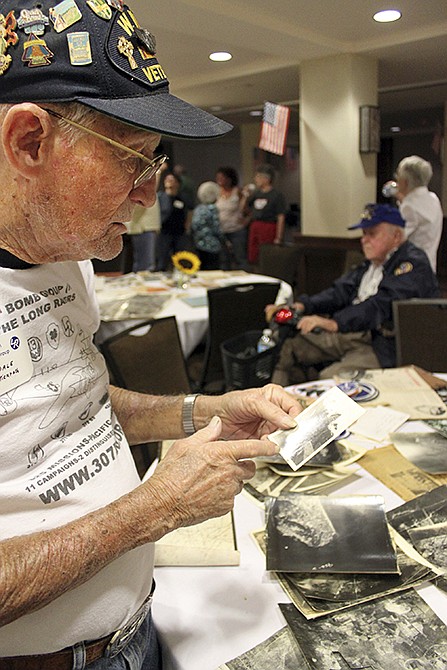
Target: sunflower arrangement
x,y
186,262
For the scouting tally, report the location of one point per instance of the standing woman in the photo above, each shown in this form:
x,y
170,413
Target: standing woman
x,y
205,227
173,213
267,208
230,204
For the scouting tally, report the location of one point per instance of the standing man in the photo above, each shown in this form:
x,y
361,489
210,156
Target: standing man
x,y
419,207
174,217
354,316
267,210
83,104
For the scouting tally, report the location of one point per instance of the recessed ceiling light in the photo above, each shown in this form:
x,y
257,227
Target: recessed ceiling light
x,y
395,129
220,56
255,112
387,15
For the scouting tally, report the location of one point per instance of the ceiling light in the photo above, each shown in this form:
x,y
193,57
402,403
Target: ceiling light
x,y
387,15
220,56
395,129
255,112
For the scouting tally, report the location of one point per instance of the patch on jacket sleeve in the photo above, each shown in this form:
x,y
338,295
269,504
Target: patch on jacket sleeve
x,y
403,268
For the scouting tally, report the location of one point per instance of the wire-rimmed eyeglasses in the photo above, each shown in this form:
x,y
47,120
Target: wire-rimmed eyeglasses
x,y
153,165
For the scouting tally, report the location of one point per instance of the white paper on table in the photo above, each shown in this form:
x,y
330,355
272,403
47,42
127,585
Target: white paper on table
x,y
377,422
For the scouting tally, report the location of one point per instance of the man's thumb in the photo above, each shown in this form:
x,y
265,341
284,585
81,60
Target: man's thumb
x,y
212,431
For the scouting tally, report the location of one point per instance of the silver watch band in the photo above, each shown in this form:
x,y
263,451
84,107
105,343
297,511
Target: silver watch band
x,y
187,411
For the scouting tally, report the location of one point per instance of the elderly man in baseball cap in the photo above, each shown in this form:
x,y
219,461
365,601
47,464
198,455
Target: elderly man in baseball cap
x,y
348,326
83,103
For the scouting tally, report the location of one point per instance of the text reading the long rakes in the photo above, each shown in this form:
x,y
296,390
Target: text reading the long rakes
x,y
84,474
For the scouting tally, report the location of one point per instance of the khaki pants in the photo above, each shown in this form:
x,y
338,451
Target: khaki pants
x,y
336,352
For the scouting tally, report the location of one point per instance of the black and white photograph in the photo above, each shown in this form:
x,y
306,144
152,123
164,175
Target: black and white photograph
x,y
439,425
321,534
320,423
428,509
317,595
431,542
280,651
390,633
428,451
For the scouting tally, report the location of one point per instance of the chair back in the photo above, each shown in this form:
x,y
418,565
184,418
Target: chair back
x,y
148,358
232,310
280,261
421,333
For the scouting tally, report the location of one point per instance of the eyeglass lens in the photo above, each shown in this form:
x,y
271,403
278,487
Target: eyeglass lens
x,y
150,170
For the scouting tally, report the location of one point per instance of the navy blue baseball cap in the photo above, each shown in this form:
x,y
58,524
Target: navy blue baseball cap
x,y
93,52
374,214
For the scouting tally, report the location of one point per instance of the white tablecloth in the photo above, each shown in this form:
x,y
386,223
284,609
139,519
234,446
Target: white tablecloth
x,y
207,616
192,321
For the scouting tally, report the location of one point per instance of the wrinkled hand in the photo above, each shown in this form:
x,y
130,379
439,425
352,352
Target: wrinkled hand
x,y
255,412
200,475
309,323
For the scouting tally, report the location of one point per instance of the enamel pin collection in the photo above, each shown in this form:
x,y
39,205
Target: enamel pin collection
x,y
27,36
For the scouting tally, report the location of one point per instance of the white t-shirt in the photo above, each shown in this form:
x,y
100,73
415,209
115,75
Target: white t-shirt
x,y
63,451
230,215
423,216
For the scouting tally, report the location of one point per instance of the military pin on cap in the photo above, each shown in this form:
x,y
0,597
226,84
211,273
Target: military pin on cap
x,y
33,21
101,9
146,38
7,38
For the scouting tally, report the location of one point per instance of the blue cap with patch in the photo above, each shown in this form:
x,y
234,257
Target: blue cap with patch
x,y
374,214
93,52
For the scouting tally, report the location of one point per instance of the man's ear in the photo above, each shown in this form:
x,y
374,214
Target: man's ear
x,y
26,137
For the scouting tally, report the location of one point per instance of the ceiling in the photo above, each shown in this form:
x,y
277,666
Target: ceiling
x,y
270,38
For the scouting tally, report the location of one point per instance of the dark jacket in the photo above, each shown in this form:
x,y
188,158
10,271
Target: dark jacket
x,y
407,274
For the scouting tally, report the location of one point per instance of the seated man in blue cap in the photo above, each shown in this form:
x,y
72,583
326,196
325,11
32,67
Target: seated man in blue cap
x,y
348,326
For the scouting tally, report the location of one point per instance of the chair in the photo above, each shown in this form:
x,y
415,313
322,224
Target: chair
x,y
232,310
319,267
150,362
279,261
148,358
421,333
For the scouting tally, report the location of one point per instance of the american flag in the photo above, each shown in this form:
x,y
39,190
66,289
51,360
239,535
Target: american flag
x,y
275,123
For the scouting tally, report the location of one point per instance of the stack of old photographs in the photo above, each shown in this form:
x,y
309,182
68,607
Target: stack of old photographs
x,y
328,467
310,457
331,554
397,632
422,523
400,631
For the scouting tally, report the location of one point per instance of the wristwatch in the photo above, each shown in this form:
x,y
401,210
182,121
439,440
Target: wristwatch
x,y
187,412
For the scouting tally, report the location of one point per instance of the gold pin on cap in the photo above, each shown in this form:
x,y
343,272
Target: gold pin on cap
x,y
126,49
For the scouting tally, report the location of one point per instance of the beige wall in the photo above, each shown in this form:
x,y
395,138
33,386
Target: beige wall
x,y
336,180
249,140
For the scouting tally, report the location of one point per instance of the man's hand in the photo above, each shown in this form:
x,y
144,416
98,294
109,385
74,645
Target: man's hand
x,y
200,475
270,311
253,413
309,323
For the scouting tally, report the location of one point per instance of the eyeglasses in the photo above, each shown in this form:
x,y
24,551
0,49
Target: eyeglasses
x,y
152,165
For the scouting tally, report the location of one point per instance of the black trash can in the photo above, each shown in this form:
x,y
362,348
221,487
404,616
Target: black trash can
x,y
243,366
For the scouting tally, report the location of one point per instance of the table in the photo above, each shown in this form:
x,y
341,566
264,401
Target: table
x,y
158,294
207,616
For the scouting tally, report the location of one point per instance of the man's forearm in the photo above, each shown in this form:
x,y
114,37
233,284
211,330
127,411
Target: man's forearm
x,y
38,568
147,418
